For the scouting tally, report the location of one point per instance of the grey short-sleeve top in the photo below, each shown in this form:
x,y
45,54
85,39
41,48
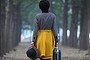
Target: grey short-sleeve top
x,y
45,21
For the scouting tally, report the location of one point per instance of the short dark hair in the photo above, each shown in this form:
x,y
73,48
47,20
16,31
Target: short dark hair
x,y
44,5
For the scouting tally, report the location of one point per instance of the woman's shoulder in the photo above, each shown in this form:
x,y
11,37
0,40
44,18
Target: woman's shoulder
x,y
39,14
52,14
43,14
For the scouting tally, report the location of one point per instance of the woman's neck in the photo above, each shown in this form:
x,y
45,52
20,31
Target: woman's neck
x,y
44,11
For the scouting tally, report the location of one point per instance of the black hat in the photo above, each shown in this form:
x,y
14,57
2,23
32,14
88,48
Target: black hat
x,y
32,53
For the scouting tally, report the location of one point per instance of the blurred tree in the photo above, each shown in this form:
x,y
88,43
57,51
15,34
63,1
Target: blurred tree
x,y
10,24
2,25
29,8
88,13
57,8
84,38
74,23
65,20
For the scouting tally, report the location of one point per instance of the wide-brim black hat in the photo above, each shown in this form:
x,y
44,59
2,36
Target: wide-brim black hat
x,y
32,53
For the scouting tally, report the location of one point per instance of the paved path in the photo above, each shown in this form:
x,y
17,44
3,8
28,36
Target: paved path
x,y
67,53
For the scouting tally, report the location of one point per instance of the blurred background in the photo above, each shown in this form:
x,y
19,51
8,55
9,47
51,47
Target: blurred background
x,y
16,22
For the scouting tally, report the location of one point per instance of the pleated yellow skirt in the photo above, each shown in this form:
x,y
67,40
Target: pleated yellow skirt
x,y
45,43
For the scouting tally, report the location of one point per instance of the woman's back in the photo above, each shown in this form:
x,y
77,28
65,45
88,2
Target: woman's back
x,y
45,21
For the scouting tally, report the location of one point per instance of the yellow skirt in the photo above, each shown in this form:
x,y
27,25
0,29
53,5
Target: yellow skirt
x,y
45,43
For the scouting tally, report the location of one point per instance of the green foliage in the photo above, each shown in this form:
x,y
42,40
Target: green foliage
x,y
29,8
57,8
78,5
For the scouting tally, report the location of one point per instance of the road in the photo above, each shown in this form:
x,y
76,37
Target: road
x,y
67,53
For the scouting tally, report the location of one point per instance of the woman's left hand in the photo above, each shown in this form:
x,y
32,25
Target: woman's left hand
x,y
32,44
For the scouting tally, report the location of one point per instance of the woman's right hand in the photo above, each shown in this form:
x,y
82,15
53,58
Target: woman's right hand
x,y
32,44
56,44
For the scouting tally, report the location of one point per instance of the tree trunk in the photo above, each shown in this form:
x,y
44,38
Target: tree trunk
x,y
74,23
84,39
2,25
0,28
7,20
88,12
65,15
9,26
88,17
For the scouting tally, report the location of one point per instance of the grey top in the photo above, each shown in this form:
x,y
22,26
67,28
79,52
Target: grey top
x,y
45,21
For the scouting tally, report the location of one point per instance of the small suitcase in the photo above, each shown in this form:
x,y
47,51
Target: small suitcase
x,y
56,54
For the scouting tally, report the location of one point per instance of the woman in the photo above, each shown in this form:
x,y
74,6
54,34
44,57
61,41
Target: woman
x,y
45,31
